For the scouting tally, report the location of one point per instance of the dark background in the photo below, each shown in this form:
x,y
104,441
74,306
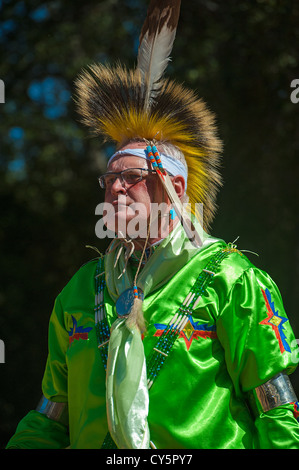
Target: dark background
x,y
241,57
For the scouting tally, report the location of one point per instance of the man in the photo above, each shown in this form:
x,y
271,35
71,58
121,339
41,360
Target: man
x,y
231,345
170,340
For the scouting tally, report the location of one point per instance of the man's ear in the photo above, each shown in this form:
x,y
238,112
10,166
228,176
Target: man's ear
x,y
179,185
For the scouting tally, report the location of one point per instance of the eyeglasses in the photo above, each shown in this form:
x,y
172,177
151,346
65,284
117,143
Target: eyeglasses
x,y
127,177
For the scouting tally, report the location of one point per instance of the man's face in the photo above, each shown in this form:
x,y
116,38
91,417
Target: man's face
x,y
127,199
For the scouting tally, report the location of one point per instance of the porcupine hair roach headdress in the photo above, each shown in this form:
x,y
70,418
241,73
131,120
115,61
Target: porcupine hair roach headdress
x,y
122,105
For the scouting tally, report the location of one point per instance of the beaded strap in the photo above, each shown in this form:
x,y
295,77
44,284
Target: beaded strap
x,y
181,317
166,341
101,324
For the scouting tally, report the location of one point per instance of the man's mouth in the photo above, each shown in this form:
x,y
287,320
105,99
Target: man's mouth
x,y
117,203
121,201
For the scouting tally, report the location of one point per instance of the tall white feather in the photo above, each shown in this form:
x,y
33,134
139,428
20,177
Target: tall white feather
x,y
156,42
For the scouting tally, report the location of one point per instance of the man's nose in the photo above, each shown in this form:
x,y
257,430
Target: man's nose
x,y
117,186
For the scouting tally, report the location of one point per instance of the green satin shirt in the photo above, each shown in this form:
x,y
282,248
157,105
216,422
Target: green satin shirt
x,y
237,338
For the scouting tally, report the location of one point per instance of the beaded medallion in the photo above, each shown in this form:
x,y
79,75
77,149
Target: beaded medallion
x,y
125,301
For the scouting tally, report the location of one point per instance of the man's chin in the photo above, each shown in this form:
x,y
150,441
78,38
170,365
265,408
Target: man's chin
x,y
128,227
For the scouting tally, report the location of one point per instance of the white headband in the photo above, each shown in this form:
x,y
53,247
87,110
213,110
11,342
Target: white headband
x,y
173,166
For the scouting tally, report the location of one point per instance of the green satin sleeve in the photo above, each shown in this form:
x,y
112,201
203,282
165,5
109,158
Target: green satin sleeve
x,y
55,380
255,332
278,429
36,431
259,343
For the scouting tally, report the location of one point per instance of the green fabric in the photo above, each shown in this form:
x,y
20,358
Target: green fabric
x,y
198,400
37,431
126,381
276,429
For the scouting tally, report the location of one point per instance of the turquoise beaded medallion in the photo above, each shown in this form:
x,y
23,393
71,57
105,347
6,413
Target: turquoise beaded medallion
x,y
125,301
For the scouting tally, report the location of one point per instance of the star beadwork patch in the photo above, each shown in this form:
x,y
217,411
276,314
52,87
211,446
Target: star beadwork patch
x,y
275,321
78,332
192,330
296,410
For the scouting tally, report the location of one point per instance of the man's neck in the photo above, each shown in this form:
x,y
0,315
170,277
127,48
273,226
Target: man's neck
x,y
140,242
163,232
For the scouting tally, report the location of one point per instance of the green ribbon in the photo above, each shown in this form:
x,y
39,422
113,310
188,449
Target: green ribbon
x,y
126,388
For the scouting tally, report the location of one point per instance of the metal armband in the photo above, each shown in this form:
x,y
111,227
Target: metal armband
x,y
56,411
277,391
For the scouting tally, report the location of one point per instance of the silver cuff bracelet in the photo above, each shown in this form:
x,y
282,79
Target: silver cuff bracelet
x,y
273,393
56,411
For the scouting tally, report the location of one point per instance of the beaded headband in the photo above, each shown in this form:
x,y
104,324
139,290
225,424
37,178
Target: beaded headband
x,y
171,165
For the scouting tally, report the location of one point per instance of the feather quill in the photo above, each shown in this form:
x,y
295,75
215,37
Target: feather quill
x,y
155,44
183,216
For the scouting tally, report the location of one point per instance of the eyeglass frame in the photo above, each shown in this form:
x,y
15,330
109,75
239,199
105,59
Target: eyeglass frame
x,y
120,175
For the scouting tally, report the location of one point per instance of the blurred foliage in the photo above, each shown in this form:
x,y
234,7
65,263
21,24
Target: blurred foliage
x,y
241,58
